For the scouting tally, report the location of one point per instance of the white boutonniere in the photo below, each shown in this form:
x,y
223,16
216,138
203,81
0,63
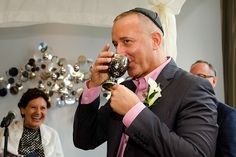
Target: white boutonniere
x,y
154,92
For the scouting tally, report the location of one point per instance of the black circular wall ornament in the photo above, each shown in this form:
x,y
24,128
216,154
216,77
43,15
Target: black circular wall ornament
x,y
3,92
14,90
11,80
13,71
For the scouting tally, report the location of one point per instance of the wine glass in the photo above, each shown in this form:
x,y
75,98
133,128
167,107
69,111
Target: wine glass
x,y
116,68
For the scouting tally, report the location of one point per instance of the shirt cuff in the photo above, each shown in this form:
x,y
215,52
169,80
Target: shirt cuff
x,y
90,94
133,113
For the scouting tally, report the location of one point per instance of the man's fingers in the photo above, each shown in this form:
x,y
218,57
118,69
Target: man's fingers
x,y
105,52
106,47
114,87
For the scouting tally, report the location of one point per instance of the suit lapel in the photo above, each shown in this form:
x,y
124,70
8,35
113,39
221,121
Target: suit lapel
x,y
165,78
167,74
129,84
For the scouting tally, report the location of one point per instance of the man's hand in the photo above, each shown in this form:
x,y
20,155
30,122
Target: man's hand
x,y
100,67
122,99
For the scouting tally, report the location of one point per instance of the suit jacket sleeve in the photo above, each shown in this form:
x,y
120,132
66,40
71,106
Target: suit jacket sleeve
x,y
226,141
90,125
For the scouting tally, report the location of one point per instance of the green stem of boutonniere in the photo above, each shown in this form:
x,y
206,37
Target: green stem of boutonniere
x,y
154,92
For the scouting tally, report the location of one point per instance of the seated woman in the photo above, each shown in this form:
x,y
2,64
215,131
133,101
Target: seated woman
x,y
29,136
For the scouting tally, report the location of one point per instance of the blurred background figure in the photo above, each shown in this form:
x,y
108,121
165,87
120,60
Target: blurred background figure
x,y
29,136
205,70
226,141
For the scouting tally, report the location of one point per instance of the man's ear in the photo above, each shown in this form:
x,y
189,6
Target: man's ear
x,y
214,81
157,39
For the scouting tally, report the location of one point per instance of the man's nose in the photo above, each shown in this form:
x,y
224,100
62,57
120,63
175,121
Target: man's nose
x,y
120,50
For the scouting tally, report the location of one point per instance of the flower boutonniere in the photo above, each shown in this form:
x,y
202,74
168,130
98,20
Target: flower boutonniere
x,y
154,92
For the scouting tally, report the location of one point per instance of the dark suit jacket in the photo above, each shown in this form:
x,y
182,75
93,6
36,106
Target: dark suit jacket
x,y
182,123
226,141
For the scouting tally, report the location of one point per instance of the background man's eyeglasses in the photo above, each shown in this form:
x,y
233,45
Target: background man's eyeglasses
x,y
204,76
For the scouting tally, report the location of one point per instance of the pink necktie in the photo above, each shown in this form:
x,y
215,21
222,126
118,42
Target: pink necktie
x,y
140,92
123,143
141,89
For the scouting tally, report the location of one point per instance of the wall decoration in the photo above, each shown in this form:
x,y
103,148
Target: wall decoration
x,y
61,80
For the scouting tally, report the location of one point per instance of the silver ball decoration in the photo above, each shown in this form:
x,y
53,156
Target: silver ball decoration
x,y
63,82
43,47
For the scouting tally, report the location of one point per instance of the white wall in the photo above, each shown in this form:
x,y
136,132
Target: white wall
x,y
199,37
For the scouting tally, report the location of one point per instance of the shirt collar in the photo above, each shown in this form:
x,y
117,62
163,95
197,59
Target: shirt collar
x,y
155,73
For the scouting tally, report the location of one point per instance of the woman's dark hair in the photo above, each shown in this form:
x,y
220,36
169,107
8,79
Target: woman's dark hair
x,y
31,94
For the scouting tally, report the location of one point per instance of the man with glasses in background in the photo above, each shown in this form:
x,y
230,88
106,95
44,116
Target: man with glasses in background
x,y
226,141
